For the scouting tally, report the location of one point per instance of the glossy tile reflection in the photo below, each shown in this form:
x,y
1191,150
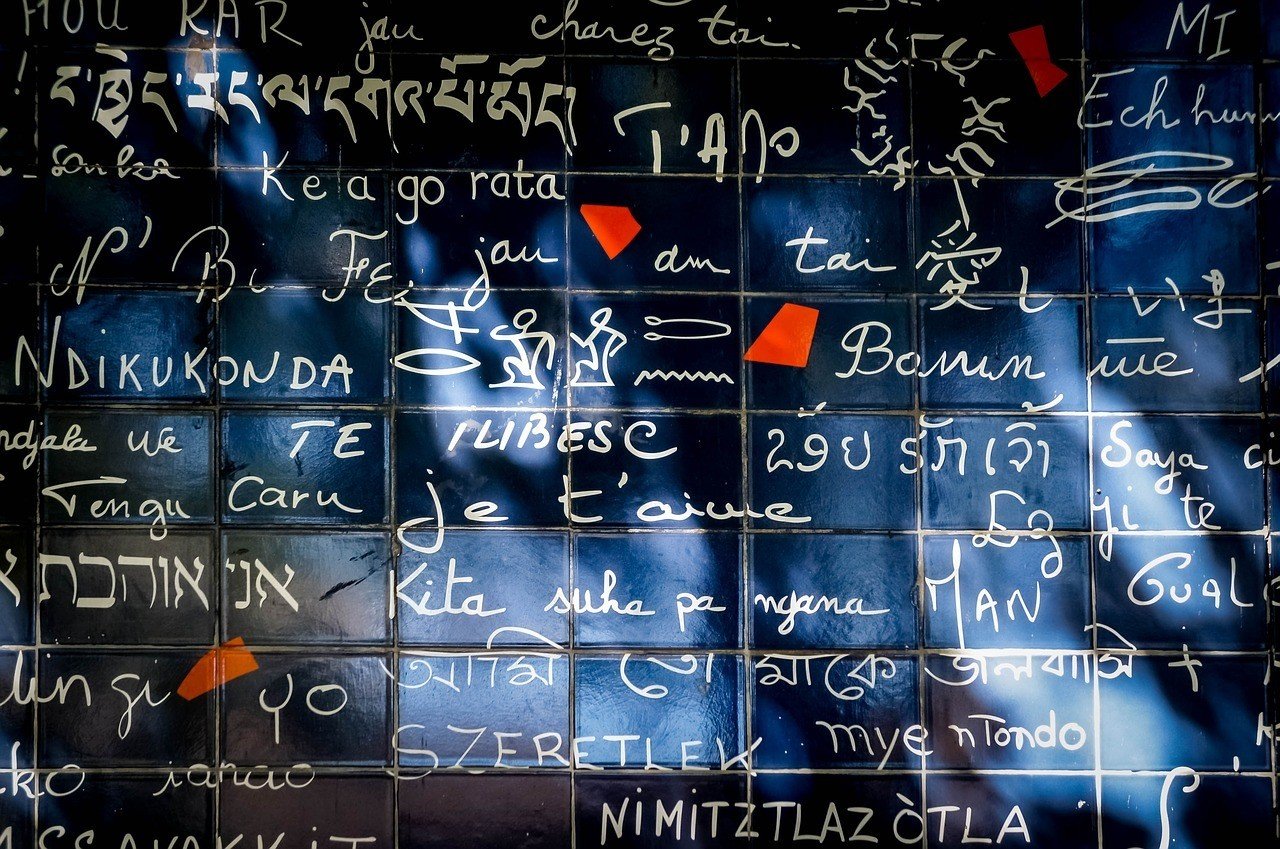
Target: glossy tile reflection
x,y
578,423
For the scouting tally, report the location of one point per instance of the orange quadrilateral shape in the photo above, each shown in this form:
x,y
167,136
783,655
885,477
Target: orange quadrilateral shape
x,y
787,338
613,226
230,660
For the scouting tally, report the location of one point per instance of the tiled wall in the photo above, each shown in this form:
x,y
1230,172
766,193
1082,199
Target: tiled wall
x,y
649,423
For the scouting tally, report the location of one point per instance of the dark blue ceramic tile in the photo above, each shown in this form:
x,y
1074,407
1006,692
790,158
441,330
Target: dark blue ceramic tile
x,y
826,234
813,807
687,238
937,27
17,588
144,468
1270,151
18,107
16,29
666,590
480,348
657,471
996,354
18,485
1271,320
1142,113
1167,355
1197,711
660,711
1198,242
349,28
687,124
823,472
494,709
452,811
17,810
1055,811
128,809
983,118
813,591
1271,36
129,345
823,28
1265,455
1269,243
20,202
848,366
454,229
309,709
1188,809
132,23
991,592
825,118
995,236
655,351
312,110
320,467
482,27
1001,472
1204,591
161,231
448,463
1222,31
1013,711
123,587
837,712
1167,473
482,111
291,226
291,588
28,367
657,31
149,725
153,109
332,808
627,810
303,345
17,718
483,587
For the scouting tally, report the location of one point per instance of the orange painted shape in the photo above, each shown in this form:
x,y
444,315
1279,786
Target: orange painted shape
x,y
787,338
229,661
613,226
